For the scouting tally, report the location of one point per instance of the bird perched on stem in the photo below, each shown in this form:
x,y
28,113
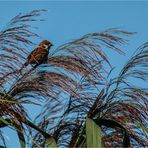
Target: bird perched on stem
x,y
39,55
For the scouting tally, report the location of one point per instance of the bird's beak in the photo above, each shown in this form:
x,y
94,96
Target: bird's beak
x,y
51,44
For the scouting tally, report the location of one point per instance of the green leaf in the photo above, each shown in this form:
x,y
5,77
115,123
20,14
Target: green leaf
x,y
93,134
4,122
51,143
81,139
83,144
114,124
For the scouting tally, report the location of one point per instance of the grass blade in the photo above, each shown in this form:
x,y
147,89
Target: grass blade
x,y
93,134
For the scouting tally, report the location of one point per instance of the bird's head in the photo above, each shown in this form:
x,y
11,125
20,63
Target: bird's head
x,y
46,44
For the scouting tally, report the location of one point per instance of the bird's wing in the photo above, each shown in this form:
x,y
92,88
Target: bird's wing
x,y
36,55
36,51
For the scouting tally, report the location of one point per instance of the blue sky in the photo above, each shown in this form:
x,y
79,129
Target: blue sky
x,y
70,20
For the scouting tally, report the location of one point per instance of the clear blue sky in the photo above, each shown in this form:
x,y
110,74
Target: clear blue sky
x,y
70,20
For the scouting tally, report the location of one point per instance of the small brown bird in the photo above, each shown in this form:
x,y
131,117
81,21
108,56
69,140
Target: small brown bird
x,y
39,55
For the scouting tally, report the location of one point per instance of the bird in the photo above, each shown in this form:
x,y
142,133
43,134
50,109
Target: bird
x,y
39,55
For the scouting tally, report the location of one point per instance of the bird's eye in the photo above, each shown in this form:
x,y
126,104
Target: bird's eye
x,y
45,46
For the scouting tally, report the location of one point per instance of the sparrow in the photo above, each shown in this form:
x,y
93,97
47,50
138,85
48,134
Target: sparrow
x,y
39,55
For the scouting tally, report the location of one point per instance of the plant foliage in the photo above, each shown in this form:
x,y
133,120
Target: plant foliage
x,y
71,86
